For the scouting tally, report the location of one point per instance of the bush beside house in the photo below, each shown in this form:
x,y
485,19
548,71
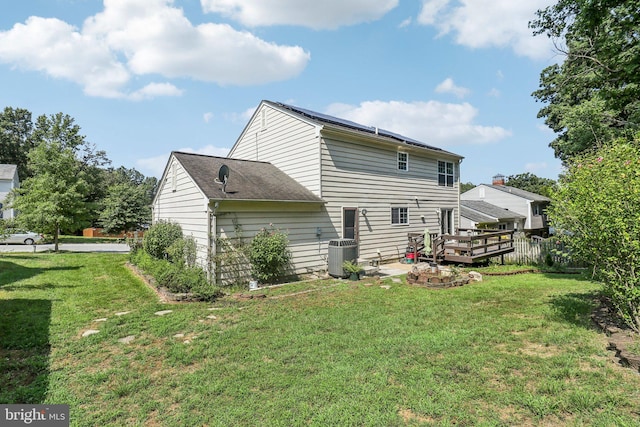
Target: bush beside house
x,y
169,258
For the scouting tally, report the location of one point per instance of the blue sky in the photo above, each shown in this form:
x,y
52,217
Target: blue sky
x,y
145,77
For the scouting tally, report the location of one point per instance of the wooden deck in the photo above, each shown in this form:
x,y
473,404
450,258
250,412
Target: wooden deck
x,y
468,246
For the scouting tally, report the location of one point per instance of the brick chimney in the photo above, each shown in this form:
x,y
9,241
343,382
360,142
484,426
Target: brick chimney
x,y
498,179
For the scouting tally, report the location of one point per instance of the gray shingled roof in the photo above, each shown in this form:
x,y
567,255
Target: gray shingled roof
x,y
248,180
521,193
7,171
348,124
480,211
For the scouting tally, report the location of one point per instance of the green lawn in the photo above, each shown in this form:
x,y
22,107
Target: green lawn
x,y
512,350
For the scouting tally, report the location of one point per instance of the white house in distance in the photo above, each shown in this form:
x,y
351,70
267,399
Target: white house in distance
x,y
530,205
359,182
8,181
478,214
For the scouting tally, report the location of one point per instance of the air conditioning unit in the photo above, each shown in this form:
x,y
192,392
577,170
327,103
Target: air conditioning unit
x,y
341,250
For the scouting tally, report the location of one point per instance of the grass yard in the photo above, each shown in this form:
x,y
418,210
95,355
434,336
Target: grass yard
x,y
512,350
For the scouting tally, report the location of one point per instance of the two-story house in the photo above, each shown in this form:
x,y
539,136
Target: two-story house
x,y
8,181
359,182
522,203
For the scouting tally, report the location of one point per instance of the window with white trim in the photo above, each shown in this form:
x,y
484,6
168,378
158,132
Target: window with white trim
x,y
445,174
403,161
400,216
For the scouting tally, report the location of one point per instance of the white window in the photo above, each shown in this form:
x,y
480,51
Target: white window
x,y
400,216
445,174
403,161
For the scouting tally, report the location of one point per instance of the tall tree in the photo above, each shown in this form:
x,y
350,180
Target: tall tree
x,y
16,139
55,196
126,207
533,183
61,129
593,97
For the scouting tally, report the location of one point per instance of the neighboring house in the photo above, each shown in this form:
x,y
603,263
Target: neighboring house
x,y
531,205
367,184
8,181
479,214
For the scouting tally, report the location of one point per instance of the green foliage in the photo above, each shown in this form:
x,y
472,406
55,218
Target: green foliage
x,y
530,182
160,237
351,267
54,198
16,129
231,261
593,97
176,277
466,186
596,210
269,255
548,260
116,209
183,252
126,207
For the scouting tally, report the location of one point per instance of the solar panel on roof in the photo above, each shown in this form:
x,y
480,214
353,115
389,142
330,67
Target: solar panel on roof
x,y
357,126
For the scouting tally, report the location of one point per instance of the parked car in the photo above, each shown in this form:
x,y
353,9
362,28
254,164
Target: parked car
x,y
22,237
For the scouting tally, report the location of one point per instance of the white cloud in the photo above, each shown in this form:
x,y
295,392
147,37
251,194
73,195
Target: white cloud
x,y
153,90
145,38
494,93
242,117
405,23
536,167
207,117
326,14
448,86
489,23
154,166
431,122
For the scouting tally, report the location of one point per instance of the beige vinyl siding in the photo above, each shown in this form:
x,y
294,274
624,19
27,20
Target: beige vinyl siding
x,y
288,143
186,206
309,251
365,175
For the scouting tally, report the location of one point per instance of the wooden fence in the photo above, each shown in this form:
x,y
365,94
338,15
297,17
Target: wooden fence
x,y
534,251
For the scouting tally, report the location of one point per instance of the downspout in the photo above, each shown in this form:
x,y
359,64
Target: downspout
x,y
458,210
212,249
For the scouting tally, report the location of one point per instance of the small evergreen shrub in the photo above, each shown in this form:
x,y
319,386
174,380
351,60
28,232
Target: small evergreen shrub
x,y
269,255
160,237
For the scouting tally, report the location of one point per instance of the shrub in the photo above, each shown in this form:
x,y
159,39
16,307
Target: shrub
x,y
183,251
269,255
160,237
174,277
597,211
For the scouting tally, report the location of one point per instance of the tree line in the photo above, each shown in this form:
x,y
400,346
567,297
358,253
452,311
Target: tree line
x,y
66,183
